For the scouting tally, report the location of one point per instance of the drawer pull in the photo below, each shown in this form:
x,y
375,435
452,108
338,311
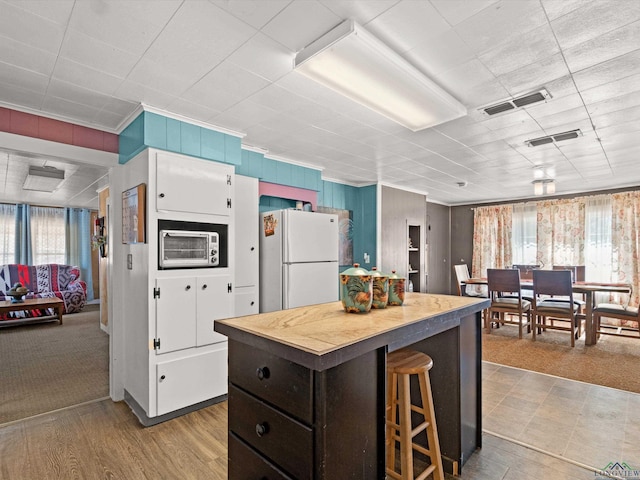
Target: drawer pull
x,y
263,373
262,429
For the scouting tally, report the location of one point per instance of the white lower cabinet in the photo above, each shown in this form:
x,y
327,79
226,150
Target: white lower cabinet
x,y
190,380
186,308
246,300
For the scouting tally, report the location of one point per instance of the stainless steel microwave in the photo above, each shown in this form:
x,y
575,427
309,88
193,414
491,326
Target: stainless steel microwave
x,y
195,245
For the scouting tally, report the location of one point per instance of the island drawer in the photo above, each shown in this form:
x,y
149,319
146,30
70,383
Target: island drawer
x,y
283,440
245,462
282,383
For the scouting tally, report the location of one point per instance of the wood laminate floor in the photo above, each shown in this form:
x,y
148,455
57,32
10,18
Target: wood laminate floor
x,y
103,440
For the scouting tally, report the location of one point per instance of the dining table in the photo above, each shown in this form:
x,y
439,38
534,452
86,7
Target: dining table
x,y
586,288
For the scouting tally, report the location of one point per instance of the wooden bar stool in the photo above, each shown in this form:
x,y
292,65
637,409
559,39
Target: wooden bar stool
x,y
401,365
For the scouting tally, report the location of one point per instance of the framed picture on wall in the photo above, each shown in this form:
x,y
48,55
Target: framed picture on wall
x,y
133,214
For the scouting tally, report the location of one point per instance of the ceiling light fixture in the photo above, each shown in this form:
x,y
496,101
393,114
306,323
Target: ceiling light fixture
x,y
354,63
43,179
545,185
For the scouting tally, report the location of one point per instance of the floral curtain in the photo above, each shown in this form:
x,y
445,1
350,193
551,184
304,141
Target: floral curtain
x,y
47,235
491,238
560,232
625,227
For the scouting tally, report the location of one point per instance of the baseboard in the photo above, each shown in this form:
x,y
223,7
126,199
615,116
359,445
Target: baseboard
x,y
146,421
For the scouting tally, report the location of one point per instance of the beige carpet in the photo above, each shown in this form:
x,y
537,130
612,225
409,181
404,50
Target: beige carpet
x,y
612,362
47,366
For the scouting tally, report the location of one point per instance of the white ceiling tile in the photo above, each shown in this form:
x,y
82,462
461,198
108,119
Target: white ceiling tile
x,y
529,48
264,56
624,86
79,74
33,30
98,55
451,51
225,86
195,111
129,26
20,77
593,19
534,76
603,48
455,11
57,11
361,10
25,56
301,23
14,95
408,24
142,93
500,22
256,14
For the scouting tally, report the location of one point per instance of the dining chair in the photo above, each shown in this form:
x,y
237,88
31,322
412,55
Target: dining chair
x,y
462,275
555,283
506,298
618,312
526,271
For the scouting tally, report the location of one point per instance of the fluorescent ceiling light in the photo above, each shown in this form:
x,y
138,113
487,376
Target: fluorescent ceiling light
x,y
354,63
43,179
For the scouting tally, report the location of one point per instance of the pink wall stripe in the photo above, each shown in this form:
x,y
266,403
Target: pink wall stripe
x,y
29,125
291,193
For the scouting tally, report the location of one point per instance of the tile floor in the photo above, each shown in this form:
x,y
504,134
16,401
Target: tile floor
x,y
538,426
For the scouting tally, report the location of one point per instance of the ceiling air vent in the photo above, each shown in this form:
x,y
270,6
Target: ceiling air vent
x,y
558,137
533,97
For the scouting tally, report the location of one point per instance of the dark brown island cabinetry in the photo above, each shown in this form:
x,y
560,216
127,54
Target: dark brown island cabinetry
x,y
307,386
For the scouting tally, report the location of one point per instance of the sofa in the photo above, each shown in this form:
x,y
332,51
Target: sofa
x,y
44,281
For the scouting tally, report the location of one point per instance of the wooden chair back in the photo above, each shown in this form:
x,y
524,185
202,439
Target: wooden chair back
x,y
503,280
462,274
576,270
553,282
526,271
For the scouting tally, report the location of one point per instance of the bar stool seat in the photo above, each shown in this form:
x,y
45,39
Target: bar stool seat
x,y
401,364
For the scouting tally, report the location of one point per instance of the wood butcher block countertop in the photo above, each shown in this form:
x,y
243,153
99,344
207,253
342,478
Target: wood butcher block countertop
x,y
323,336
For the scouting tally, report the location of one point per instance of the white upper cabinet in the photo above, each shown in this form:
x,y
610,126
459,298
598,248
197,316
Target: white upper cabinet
x,y
192,185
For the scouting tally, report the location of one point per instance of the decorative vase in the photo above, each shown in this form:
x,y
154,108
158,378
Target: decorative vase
x,y
17,293
380,288
356,289
396,289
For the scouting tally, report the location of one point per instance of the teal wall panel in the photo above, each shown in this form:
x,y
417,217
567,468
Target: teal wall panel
x,y
191,138
255,164
212,145
131,140
283,175
174,142
269,170
155,130
232,149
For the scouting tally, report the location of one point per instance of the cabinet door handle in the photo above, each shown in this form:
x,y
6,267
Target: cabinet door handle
x,y
253,248
263,373
188,287
204,287
162,377
252,303
161,195
262,429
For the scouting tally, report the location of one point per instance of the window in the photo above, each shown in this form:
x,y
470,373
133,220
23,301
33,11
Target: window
x,y
7,233
598,246
48,235
524,231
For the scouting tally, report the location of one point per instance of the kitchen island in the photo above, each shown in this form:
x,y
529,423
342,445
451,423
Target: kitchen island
x,y
307,385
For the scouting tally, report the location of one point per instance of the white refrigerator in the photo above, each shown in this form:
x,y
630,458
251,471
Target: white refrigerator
x,y
298,259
